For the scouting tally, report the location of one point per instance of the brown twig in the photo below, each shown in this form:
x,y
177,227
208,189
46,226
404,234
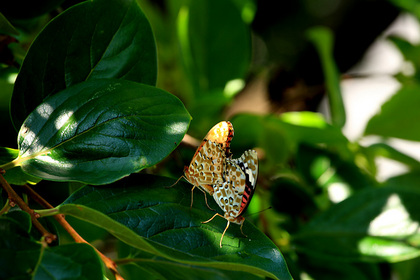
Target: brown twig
x,y
14,198
190,141
62,221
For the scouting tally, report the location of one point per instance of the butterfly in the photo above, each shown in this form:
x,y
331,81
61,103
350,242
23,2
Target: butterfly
x,y
208,163
235,193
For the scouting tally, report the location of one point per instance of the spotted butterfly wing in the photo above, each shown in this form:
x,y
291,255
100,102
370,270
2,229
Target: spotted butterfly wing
x,y
234,195
207,164
248,163
221,133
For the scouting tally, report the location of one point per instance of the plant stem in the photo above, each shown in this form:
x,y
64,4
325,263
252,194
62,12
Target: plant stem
x,y
10,164
62,221
14,198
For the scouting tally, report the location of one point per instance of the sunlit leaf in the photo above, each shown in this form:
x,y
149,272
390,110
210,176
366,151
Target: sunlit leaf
x,y
375,225
392,121
83,43
100,131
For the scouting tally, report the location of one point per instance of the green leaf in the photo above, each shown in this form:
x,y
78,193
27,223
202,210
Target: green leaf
x,y
384,150
215,41
19,255
311,128
374,225
392,121
142,213
14,176
407,270
322,38
6,27
322,167
23,258
83,43
100,131
71,261
151,267
21,218
317,269
289,130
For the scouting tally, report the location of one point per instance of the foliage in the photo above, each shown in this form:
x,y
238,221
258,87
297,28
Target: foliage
x,y
96,130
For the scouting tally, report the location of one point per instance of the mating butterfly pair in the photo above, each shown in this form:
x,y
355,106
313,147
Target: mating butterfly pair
x,y
231,182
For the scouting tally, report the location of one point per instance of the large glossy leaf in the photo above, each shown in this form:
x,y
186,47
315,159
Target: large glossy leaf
x,y
392,122
101,130
150,267
95,39
378,224
142,213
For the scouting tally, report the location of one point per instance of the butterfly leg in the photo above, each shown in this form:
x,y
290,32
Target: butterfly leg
x,y
217,214
168,187
242,231
192,196
228,223
205,197
210,190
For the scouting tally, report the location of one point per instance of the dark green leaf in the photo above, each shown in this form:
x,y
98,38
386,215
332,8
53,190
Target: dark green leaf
x,y
151,267
83,43
378,224
407,270
317,269
290,197
71,261
21,218
392,122
100,131
19,255
159,221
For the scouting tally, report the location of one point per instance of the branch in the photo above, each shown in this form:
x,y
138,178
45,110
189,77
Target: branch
x,y
110,264
14,198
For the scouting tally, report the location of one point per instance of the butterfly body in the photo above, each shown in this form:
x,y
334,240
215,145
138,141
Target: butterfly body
x,y
231,182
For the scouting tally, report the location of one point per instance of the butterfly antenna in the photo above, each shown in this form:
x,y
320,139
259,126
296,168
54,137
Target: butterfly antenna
x,y
268,208
192,196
